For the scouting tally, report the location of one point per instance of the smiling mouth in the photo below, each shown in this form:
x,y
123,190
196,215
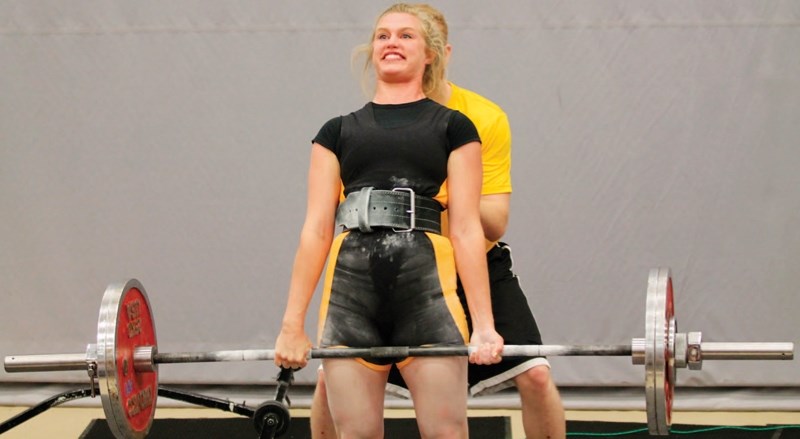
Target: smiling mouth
x,y
392,56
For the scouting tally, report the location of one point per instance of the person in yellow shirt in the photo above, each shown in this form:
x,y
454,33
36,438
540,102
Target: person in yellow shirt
x,y
542,409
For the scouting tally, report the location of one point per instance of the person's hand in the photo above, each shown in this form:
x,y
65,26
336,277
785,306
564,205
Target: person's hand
x,y
292,348
487,347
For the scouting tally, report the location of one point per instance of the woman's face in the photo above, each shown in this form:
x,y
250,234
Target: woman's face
x,y
398,48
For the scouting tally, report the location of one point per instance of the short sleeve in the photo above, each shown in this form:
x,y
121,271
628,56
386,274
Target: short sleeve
x,y
328,135
461,131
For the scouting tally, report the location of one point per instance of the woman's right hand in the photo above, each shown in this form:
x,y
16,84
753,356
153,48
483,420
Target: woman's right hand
x,y
292,348
487,345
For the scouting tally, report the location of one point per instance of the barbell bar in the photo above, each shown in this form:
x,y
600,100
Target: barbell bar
x,y
125,358
146,357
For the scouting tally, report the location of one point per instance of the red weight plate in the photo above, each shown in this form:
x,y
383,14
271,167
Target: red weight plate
x,y
128,396
669,373
659,359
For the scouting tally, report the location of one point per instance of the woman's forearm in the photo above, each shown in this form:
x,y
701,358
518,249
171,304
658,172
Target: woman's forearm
x,y
470,255
307,269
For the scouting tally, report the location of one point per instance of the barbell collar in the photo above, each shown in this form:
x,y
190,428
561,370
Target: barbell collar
x,y
694,350
638,346
143,358
681,350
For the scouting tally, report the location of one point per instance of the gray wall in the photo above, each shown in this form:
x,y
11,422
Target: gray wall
x,y
168,141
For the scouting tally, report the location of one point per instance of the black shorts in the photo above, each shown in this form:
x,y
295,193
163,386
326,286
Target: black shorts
x,y
391,289
513,320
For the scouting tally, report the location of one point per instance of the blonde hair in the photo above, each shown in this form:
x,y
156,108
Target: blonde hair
x,y
434,31
436,17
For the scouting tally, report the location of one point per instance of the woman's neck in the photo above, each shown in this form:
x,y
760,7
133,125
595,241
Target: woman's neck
x,y
397,93
443,93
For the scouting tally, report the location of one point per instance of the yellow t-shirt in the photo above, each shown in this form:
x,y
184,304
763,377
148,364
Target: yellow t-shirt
x,y
495,132
492,124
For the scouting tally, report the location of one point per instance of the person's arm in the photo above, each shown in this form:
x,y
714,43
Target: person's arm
x,y
466,234
496,156
494,215
292,345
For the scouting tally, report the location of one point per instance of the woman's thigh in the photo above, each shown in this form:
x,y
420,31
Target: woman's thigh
x,y
355,396
438,387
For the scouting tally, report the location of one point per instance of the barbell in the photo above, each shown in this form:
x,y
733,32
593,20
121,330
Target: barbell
x,y
125,358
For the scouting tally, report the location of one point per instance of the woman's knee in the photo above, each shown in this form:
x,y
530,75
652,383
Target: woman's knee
x,y
536,379
443,427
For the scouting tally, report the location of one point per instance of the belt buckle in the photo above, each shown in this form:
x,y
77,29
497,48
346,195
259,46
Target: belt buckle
x,y
412,212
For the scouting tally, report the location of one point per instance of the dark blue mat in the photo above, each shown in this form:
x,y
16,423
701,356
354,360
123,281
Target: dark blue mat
x,y
496,427
479,428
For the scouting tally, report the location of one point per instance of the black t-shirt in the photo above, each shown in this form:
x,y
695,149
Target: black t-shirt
x,y
391,146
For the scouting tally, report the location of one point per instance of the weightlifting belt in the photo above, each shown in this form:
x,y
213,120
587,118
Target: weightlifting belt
x,y
399,208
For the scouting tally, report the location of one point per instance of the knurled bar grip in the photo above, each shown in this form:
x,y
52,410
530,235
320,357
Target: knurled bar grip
x,y
61,362
398,352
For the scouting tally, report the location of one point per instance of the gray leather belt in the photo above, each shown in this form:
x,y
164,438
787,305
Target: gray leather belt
x,y
399,208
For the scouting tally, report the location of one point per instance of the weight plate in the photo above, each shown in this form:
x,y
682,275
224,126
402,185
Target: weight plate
x,y
125,323
659,363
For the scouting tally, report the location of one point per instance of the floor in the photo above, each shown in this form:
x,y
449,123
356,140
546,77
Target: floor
x,y
70,422
694,406
762,406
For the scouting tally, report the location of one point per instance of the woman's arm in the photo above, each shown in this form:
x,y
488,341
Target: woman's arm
x,y
292,346
466,233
